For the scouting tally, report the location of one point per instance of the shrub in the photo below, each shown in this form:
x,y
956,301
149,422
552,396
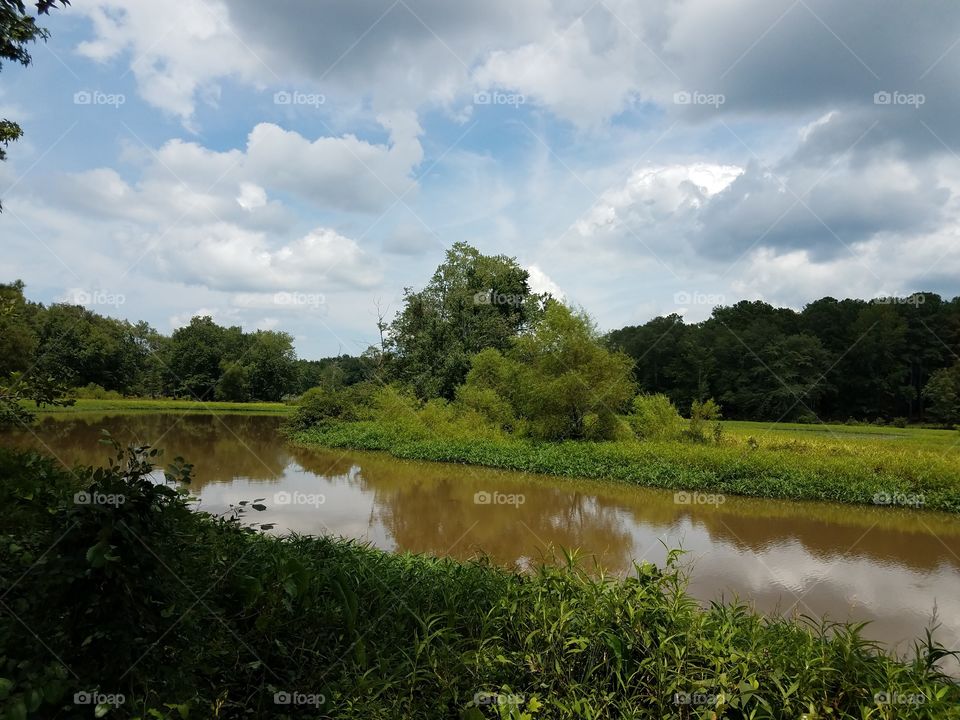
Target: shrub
x,y
702,413
654,417
92,391
318,405
488,403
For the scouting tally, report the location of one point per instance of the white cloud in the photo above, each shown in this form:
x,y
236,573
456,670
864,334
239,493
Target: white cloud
x,y
251,196
540,282
176,50
657,194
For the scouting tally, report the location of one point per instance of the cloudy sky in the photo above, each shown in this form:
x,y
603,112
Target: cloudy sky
x,y
292,164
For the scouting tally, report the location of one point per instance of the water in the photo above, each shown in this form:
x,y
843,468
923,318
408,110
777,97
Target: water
x,y
891,567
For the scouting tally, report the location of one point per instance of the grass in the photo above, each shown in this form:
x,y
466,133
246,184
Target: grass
x,y
909,438
918,471
185,615
141,405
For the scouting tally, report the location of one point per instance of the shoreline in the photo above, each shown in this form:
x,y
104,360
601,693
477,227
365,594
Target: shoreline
x,y
682,468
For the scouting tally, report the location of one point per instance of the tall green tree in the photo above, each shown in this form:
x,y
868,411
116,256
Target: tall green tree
x,y
195,357
271,364
18,336
472,302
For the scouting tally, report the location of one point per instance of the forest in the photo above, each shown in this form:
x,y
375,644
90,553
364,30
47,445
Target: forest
x,y
889,360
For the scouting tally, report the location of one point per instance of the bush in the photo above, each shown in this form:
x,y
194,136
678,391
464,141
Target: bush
x,y
92,391
319,405
488,403
702,413
654,417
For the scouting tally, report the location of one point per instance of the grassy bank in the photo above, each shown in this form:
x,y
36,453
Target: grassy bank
x,y
160,612
163,405
849,471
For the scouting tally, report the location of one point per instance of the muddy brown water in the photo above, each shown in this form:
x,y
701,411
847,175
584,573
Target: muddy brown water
x,y
897,569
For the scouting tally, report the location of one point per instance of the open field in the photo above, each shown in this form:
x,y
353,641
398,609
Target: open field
x,y
165,405
919,470
912,438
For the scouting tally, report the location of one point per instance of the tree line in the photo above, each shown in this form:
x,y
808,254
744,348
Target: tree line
x,y
477,333
73,347
884,359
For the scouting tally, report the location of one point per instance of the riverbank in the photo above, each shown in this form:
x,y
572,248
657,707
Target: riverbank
x,y
140,405
847,472
308,627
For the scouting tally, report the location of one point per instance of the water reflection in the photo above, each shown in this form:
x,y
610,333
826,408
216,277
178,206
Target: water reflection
x,y
879,564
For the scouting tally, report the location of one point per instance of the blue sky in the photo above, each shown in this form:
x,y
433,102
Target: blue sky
x,y
291,165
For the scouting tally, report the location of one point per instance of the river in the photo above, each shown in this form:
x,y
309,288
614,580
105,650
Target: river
x,y
896,568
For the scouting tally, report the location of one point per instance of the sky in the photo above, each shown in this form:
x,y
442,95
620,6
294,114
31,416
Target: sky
x,y
296,164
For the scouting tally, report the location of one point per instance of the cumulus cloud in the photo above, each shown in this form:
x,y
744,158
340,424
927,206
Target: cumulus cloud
x,y
760,148
540,282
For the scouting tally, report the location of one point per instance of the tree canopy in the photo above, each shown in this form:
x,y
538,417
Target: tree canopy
x,y
472,302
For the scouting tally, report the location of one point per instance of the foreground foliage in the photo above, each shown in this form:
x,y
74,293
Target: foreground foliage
x,y
178,614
